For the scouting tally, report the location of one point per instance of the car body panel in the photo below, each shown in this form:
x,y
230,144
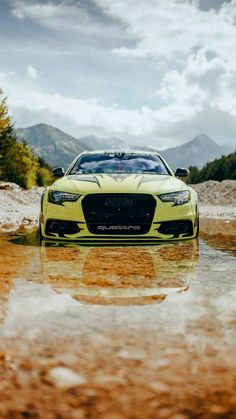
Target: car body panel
x,y
108,183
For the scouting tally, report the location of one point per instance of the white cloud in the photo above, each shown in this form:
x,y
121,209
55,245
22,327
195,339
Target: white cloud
x,y
64,16
32,72
174,27
5,78
202,83
86,113
196,94
157,28
75,114
58,16
23,9
198,100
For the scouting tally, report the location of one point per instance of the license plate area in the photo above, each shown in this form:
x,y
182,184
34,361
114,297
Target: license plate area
x,y
119,229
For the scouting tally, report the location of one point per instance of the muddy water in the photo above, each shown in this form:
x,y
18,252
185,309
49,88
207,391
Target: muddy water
x,y
151,329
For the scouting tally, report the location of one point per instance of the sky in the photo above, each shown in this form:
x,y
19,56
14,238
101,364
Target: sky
x,y
153,72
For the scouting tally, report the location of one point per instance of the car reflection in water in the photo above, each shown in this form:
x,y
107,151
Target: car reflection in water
x,y
119,275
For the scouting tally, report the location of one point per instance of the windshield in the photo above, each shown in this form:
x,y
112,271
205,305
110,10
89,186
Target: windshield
x,y
119,163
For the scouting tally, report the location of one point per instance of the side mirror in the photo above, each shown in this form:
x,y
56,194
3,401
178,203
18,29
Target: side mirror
x,y
58,172
180,172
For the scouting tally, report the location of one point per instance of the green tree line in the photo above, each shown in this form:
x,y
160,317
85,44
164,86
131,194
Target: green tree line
x,y
218,169
18,163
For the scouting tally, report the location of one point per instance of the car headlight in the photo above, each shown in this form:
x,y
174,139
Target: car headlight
x,y
179,198
58,197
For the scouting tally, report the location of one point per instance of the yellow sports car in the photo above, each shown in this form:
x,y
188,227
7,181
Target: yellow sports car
x,y
119,196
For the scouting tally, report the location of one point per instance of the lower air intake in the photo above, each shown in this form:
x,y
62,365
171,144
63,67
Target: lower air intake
x,y
61,227
175,228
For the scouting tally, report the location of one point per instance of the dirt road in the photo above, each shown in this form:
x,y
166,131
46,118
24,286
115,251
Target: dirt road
x,y
132,332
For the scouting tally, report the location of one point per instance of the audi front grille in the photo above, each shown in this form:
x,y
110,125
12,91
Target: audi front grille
x,y
124,214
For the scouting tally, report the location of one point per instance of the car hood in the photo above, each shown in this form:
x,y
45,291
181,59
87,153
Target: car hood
x,y
116,183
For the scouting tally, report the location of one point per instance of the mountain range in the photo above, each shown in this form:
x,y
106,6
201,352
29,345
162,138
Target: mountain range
x,y
55,146
58,148
196,152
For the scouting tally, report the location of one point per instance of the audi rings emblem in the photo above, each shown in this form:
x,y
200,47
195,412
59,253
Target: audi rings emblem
x,y
119,202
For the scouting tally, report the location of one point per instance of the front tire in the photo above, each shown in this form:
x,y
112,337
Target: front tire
x,y
40,228
198,226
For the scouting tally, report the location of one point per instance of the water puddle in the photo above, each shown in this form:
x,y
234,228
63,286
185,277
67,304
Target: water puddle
x,y
35,274
112,275
101,275
220,234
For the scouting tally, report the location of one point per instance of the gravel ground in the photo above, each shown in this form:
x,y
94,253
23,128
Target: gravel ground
x,y
20,207
217,199
217,193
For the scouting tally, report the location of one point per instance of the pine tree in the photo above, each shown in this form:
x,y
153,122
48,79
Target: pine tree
x,y
21,165
17,162
218,169
193,175
7,135
4,118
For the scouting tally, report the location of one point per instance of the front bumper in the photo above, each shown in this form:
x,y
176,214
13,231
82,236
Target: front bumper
x,y
67,222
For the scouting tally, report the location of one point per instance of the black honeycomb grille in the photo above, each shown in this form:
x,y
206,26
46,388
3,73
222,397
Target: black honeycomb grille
x,y
126,214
